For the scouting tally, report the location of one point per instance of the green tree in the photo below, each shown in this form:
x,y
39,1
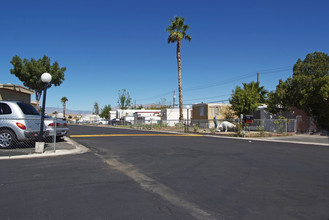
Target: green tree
x,y
162,104
227,112
307,89
64,100
105,112
96,109
246,100
177,32
140,107
30,71
278,101
124,100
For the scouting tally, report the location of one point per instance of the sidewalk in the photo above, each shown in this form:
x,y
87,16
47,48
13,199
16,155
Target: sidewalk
x,y
309,139
64,147
300,139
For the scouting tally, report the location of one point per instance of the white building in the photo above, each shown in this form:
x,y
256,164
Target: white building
x,y
112,115
167,116
171,116
147,116
120,113
89,118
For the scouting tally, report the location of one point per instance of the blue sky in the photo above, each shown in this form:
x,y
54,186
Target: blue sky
x,y
108,46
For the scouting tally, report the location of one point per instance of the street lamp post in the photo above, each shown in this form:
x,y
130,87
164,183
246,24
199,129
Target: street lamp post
x,y
45,78
188,117
173,101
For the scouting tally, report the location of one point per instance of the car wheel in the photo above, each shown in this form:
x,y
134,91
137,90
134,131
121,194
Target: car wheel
x,y
7,139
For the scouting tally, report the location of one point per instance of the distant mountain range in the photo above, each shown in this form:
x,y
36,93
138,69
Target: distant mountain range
x,y
50,110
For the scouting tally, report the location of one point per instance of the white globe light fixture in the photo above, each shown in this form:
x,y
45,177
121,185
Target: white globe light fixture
x,y
45,78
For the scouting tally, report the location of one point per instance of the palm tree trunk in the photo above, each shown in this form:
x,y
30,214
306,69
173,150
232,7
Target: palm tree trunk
x,y
64,109
179,81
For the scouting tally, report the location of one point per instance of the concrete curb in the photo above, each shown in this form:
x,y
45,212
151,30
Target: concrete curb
x,y
270,140
79,149
236,138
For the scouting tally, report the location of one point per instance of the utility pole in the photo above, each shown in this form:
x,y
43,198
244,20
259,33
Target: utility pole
x,y
257,77
173,103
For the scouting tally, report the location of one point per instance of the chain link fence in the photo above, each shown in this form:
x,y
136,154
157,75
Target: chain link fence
x,y
276,126
21,134
153,124
306,125
273,125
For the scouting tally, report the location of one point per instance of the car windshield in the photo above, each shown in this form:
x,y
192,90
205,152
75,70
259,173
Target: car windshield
x,y
28,109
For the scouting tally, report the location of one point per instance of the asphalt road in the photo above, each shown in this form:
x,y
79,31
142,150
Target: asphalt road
x,y
129,175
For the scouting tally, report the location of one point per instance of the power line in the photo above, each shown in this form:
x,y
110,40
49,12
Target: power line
x,y
207,97
275,70
218,101
282,68
154,97
233,79
223,82
226,100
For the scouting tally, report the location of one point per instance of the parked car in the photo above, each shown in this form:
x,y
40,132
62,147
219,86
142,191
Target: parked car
x,y
60,126
102,122
19,122
117,121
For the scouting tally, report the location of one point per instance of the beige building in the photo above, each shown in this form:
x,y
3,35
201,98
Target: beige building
x,y
207,111
203,114
10,92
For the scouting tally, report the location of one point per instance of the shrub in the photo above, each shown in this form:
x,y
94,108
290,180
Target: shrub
x,y
179,125
281,125
261,130
212,130
239,130
196,128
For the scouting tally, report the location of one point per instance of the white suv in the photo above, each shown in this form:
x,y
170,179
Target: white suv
x,y
19,121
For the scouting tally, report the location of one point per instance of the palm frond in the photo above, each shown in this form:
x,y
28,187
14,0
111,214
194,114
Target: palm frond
x,y
177,30
188,37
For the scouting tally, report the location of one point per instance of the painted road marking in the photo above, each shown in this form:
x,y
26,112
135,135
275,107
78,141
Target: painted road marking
x,y
139,135
153,186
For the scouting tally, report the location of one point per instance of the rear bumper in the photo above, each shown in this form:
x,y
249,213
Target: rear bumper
x,y
35,134
59,132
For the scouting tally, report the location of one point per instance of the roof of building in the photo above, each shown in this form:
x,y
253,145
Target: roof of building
x,y
17,88
211,104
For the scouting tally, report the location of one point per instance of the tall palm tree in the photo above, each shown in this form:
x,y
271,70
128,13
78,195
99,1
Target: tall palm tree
x,y
177,31
64,100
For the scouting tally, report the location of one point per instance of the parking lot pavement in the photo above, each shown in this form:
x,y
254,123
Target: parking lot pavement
x,y
64,147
